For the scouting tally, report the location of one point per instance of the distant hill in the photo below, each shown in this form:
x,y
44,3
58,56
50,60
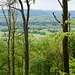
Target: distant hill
x,y
37,17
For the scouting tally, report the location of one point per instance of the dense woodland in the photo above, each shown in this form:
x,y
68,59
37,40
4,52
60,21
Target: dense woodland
x,y
36,42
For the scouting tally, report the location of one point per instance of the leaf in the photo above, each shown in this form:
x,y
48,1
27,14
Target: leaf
x,y
33,1
68,0
70,21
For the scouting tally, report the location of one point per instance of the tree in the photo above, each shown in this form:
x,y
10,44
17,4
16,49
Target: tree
x,y
13,40
25,27
8,21
8,3
64,6
65,40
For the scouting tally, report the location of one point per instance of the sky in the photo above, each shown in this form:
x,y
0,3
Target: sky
x,y
51,5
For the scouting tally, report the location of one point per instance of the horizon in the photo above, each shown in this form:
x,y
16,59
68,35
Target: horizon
x,y
43,10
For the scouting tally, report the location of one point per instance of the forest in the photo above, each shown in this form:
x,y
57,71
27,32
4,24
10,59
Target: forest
x,y
36,42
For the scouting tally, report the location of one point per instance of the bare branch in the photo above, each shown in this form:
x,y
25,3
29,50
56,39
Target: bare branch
x,y
4,15
19,34
15,8
22,10
6,3
28,10
13,2
60,3
56,18
69,15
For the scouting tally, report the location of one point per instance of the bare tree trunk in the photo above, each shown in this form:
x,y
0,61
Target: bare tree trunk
x,y
65,40
9,35
13,61
26,41
25,27
8,21
13,43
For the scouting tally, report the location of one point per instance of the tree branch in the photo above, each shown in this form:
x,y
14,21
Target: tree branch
x,y
5,16
15,8
11,3
56,18
22,10
28,11
60,3
19,34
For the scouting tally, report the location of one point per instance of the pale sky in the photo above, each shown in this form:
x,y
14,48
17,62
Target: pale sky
x,y
51,5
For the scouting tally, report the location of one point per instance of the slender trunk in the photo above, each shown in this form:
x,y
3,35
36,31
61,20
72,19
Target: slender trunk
x,y
9,55
26,41
13,43
13,61
9,33
26,53
8,21
65,40
22,66
25,27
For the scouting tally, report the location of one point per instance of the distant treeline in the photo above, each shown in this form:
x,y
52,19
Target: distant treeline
x,y
37,17
33,23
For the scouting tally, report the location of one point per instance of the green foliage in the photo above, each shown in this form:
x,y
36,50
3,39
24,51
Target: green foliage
x,y
72,66
70,21
45,54
72,43
33,1
3,57
68,0
62,73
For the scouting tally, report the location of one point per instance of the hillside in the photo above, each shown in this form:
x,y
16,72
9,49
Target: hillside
x,y
37,17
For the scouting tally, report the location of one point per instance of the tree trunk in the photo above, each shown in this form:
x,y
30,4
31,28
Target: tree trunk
x,y
26,40
65,40
13,41
9,32
26,50
8,21
25,27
